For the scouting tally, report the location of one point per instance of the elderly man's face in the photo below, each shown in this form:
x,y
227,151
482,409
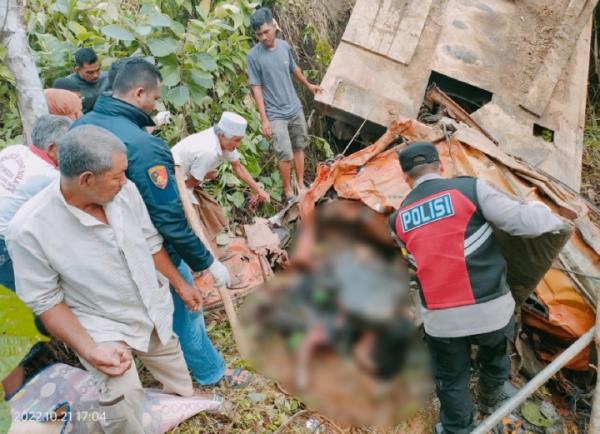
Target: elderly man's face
x,y
229,144
106,186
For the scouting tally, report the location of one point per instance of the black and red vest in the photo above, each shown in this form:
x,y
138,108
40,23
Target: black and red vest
x,y
457,259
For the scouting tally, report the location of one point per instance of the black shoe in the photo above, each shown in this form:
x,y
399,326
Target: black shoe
x,y
492,397
488,397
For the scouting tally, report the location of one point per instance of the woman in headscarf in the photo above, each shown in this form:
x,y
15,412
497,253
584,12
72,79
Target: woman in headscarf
x,y
63,102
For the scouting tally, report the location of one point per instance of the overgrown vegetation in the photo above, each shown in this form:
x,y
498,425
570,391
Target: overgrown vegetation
x,y
590,179
17,335
590,175
200,48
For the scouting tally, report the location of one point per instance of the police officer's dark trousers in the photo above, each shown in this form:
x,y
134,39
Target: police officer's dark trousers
x,y
451,363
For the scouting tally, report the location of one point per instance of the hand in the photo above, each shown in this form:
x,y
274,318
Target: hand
x,y
314,88
162,118
220,273
210,175
263,196
111,359
266,129
191,296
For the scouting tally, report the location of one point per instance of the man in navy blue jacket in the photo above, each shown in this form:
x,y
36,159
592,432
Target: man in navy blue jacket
x,y
126,114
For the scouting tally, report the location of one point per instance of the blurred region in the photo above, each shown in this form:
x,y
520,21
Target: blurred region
x,y
339,328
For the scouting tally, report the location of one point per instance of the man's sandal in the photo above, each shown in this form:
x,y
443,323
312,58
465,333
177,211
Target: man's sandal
x,y
233,380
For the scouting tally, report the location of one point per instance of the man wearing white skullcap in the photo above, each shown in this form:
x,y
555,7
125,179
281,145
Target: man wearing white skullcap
x,y
200,154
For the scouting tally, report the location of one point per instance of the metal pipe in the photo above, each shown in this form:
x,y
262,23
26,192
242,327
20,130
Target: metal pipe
x,y
535,383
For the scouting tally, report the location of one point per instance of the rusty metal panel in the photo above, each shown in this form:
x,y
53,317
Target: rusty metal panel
x,y
373,25
390,28
409,31
578,14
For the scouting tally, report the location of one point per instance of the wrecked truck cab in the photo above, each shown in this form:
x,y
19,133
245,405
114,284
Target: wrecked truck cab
x,y
518,68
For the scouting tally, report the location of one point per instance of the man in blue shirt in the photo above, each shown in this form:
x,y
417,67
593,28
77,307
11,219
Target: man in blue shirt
x,y
271,66
136,88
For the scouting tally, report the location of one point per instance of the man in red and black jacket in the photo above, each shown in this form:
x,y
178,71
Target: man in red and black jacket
x,y
445,229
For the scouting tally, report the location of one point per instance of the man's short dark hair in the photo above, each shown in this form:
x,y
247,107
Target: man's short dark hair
x,y
66,84
85,56
423,169
260,17
115,67
134,73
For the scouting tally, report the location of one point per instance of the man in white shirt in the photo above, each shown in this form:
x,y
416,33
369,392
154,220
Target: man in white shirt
x,y
86,257
24,171
200,154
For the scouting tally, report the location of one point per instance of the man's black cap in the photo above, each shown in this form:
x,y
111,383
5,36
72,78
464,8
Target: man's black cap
x,y
417,153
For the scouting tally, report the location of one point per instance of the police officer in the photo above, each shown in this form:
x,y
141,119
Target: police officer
x,y
136,88
444,227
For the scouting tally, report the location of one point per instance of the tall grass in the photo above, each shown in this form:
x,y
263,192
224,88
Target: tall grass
x,y
590,184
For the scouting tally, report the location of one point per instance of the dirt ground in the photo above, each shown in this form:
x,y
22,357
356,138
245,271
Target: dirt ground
x,y
263,406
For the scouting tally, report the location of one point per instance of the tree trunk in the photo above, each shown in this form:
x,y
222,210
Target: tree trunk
x,y
19,60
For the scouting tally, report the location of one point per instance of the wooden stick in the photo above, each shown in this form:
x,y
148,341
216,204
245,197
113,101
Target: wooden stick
x,y
194,220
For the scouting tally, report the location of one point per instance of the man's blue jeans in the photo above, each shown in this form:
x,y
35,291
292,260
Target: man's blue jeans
x,y
7,274
202,358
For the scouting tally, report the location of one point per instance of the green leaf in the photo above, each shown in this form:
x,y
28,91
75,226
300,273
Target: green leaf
x,y
18,332
177,27
171,75
142,30
197,93
207,61
179,95
163,47
237,198
156,19
230,179
224,10
76,28
61,6
6,74
118,32
268,182
202,79
275,194
263,144
532,413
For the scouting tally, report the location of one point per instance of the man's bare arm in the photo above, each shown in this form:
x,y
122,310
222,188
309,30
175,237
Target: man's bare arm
x,y
313,88
260,105
242,173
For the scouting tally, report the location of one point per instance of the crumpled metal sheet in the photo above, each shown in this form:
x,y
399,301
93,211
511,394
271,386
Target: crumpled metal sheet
x,y
247,273
374,177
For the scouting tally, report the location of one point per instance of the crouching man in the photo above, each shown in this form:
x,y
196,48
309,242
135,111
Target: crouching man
x,y
201,154
86,257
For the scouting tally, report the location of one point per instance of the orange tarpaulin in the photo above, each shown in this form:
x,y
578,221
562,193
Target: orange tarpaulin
x,y
374,177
